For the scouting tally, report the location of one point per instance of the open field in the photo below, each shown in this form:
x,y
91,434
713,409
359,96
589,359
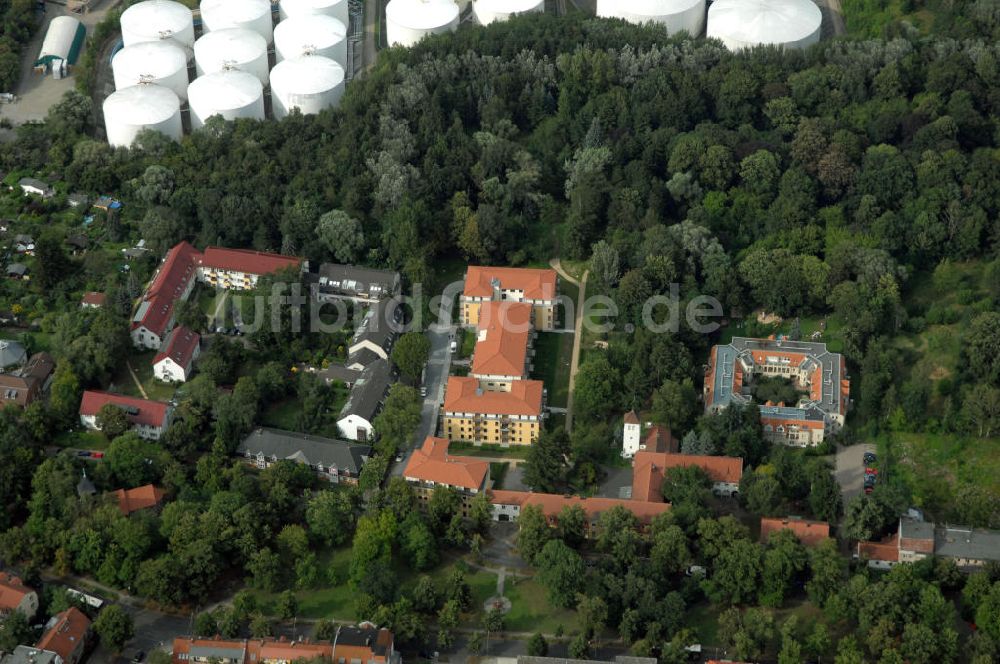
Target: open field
x,y
553,353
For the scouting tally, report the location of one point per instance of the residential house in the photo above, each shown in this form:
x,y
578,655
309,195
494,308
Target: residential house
x,y
337,461
174,281
430,466
511,417
12,353
362,644
175,363
537,287
30,655
354,283
15,596
66,635
26,384
335,373
239,269
77,245
819,374
18,272
725,472
93,300
77,200
810,533
374,337
658,438
970,548
140,498
35,187
365,401
233,269
508,505
503,345
24,244
149,418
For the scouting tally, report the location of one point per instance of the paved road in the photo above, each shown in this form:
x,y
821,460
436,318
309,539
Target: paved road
x,y
850,469
369,50
438,366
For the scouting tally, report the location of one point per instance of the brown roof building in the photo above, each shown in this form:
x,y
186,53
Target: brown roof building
x,y
810,533
66,635
365,644
141,498
502,341
431,466
25,385
15,596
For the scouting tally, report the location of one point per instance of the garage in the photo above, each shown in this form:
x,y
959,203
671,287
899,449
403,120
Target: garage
x,y
61,46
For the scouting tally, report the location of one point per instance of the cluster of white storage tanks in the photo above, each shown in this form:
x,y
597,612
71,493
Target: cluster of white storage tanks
x,y
231,63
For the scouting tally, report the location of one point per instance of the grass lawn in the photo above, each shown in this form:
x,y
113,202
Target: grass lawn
x,y
468,343
282,414
142,364
84,440
326,602
498,471
553,353
530,610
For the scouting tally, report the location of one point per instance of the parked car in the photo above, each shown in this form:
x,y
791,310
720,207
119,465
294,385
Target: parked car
x,y
83,453
423,390
97,455
454,346
871,472
139,656
870,458
399,457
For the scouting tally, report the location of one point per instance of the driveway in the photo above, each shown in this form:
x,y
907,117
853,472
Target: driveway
x,y
438,367
850,469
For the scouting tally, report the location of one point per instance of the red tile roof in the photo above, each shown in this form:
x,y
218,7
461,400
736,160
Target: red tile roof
x,y
94,299
12,592
647,476
68,630
631,417
718,468
809,533
502,341
463,395
148,413
537,284
178,269
887,550
139,498
552,504
180,347
246,260
432,463
660,439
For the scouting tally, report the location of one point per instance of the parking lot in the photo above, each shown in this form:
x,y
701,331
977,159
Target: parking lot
x,y
850,469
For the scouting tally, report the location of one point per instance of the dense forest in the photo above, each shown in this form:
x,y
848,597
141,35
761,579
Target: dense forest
x,y
17,22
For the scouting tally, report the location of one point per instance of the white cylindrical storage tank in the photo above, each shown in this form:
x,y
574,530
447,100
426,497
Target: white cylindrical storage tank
x,y
743,24
674,15
489,11
335,8
160,62
232,48
130,110
230,93
249,14
153,20
310,83
409,21
311,35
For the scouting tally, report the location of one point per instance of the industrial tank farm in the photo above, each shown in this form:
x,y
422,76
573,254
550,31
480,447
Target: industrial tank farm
x,y
310,83
147,106
311,35
489,11
232,48
674,15
230,93
252,15
160,62
335,8
153,20
409,21
741,24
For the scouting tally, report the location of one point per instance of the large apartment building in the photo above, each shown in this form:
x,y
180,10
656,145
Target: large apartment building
x,y
364,644
970,548
820,375
537,287
496,417
504,336
430,466
149,419
183,266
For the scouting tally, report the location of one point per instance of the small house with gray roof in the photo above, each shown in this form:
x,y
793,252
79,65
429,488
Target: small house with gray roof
x,y
375,335
354,283
365,401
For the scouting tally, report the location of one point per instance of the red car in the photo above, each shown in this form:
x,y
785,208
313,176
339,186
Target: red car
x,y
97,455
871,472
